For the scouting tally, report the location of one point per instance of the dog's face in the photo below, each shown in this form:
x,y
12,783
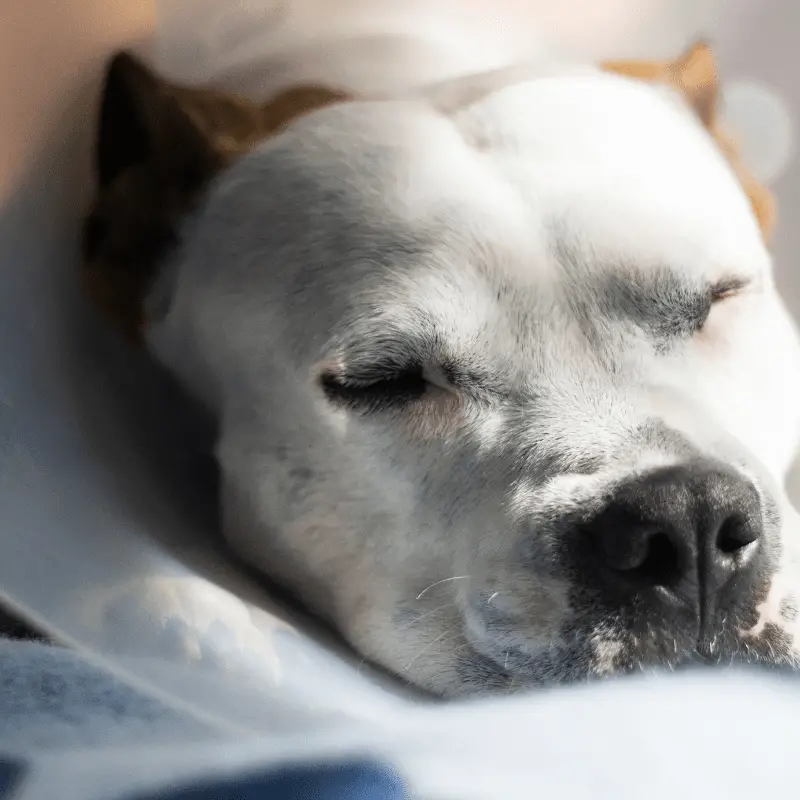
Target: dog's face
x,y
504,387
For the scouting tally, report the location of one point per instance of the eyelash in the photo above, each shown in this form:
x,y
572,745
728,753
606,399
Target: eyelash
x,y
392,389
721,292
727,288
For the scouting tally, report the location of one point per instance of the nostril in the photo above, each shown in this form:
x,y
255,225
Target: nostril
x,y
661,566
735,534
641,555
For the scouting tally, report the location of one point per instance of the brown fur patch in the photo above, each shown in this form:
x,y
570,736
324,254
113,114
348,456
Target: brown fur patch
x,y
696,77
159,145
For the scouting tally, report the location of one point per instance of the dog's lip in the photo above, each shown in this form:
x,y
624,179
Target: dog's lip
x,y
474,628
505,639
513,661
513,656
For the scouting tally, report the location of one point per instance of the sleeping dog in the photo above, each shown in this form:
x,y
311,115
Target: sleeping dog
x,y
503,386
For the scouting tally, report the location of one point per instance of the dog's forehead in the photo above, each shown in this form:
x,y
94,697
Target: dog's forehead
x,y
463,213
621,167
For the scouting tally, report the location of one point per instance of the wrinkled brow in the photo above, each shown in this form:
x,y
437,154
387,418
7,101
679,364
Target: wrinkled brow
x,y
663,302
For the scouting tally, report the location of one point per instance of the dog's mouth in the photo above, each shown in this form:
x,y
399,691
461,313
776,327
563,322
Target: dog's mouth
x,y
516,669
603,647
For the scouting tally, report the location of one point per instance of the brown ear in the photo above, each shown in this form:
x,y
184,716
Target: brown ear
x,y
151,160
142,121
159,145
695,75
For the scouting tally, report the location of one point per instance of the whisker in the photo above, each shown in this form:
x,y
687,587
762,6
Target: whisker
x,y
444,580
492,598
427,647
414,621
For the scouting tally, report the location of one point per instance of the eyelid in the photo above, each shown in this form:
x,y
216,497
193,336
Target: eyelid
x,y
729,287
381,392
440,377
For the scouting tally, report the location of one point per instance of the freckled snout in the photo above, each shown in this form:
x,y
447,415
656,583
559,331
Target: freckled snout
x,y
688,535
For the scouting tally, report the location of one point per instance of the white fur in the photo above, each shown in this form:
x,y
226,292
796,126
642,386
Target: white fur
x,y
373,219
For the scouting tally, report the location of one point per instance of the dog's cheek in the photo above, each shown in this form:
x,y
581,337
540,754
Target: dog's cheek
x,y
744,359
778,615
789,606
717,339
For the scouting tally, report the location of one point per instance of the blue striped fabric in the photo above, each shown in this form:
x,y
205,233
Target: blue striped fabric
x,y
364,781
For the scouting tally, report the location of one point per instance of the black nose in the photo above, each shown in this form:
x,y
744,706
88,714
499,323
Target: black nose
x,y
692,530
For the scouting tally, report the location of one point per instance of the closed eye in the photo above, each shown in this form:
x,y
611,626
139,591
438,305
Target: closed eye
x,y
727,288
664,305
718,293
390,381
377,388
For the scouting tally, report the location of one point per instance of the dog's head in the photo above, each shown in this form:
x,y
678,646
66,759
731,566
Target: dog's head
x,y
504,387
